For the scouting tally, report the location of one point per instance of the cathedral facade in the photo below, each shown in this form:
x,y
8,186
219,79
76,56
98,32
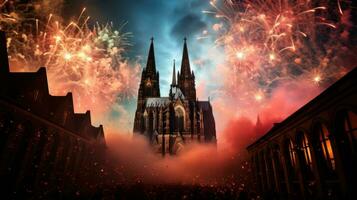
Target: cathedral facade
x,y
171,122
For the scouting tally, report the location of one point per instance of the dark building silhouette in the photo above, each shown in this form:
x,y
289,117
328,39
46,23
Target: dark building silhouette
x,y
45,148
170,122
313,153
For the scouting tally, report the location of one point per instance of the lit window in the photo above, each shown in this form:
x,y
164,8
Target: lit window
x,y
292,154
305,147
351,126
326,147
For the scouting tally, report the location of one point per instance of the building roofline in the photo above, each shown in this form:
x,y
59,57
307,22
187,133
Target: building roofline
x,y
40,74
352,75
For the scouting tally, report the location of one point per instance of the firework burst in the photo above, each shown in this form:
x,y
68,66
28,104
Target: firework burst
x,y
267,42
83,59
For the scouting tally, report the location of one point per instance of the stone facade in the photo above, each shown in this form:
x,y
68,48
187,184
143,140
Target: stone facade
x,y
313,153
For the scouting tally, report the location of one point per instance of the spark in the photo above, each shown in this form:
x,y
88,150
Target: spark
x,y
57,38
79,57
240,55
208,12
1,5
317,79
258,97
272,56
272,38
202,37
67,56
339,7
328,24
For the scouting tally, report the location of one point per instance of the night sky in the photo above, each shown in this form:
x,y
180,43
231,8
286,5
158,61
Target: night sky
x,y
236,73
168,22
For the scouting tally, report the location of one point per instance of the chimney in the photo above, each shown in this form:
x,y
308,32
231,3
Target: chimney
x,y
4,61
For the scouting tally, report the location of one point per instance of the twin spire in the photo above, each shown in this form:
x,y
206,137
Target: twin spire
x,y
185,63
185,79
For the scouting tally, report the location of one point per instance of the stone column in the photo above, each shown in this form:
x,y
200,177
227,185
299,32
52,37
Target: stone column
x,y
262,172
274,166
284,164
299,169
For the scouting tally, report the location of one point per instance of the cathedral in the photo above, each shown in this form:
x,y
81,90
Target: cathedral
x,y
180,118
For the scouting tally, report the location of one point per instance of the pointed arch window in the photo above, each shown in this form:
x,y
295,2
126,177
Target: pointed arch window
x,y
306,150
326,146
350,127
179,119
292,154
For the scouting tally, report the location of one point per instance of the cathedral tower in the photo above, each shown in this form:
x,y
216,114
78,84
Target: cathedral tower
x,y
172,121
186,77
149,87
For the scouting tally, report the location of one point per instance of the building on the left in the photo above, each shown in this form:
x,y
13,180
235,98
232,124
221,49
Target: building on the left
x,y
44,146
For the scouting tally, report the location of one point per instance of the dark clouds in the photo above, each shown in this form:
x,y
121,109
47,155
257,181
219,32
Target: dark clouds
x,y
190,24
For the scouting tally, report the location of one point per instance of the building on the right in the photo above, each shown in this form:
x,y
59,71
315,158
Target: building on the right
x,y
312,154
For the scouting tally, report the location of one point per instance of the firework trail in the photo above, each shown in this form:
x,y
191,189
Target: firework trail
x,y
82,59
268,42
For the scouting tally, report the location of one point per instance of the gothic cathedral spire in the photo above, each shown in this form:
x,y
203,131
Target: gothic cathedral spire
x,y
185,63
186,78
149,85
151,65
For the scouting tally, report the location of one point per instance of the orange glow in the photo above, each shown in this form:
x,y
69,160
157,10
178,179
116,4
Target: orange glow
x,y
306,149
327,147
